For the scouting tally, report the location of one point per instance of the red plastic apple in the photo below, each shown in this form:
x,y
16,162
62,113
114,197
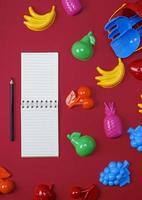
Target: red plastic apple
x,y
136,69
44,192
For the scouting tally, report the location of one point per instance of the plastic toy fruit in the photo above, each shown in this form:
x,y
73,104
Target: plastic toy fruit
x,y
136,137
83,49
44,192
84,145
90,193
109,79
4,173
116,174
84,92
136,69
6,186
112,123
125,38
72,7
37,22
140,105
121,25
82,98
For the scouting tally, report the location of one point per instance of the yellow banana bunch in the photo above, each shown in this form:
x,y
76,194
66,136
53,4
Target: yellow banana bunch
x,y
37,22
140,106
109,79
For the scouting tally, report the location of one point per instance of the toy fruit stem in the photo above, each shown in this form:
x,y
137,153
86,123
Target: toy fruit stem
x,y
86,195
123,5
89,38
87,191
74,138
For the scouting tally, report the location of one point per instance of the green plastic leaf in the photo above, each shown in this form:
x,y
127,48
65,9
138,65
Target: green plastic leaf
x,y
92,38
76,134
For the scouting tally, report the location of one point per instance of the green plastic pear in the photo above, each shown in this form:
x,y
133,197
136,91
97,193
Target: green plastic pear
x,y
84,145
83,49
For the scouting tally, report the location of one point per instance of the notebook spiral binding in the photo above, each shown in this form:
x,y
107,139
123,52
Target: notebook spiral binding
x,y
39,104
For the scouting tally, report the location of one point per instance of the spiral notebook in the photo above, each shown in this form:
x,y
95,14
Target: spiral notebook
x,y
39,105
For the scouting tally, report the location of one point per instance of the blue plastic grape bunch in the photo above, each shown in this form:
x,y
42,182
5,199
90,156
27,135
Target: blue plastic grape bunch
x,y
136,137
116,173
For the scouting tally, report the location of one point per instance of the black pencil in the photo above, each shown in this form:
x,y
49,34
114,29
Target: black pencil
x,y
11,110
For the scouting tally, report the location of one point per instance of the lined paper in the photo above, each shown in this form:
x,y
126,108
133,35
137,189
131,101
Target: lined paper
x,y
39,107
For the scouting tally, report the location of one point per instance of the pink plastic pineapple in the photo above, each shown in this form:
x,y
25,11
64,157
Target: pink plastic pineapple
x,y
72,7
112,123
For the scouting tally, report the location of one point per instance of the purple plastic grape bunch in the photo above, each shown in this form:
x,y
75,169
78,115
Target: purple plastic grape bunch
x,y
116,174
136,137
72,7
112,123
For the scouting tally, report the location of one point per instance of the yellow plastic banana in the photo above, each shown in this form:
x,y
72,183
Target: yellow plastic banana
x,y
44,16
38,22
106,77
108,72
39,25
111,78
112,82
34,29
140,105
34,20
109,83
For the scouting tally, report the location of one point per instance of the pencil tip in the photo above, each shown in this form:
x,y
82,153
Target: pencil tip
x,y
11,81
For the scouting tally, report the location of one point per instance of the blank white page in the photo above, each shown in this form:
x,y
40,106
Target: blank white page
x,y
39,105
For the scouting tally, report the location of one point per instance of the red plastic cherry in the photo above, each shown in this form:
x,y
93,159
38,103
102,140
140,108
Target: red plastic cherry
x,y
75,192
84,92
136,69
44,192
88,103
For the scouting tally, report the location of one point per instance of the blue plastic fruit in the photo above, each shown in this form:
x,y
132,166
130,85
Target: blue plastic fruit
x,y
125,39
116,174
136,137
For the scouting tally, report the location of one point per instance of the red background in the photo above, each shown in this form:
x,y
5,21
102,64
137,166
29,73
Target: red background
x,y
68,169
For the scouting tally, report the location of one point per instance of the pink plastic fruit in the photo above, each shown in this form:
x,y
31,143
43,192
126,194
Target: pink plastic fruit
x,y
112,123
72,7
